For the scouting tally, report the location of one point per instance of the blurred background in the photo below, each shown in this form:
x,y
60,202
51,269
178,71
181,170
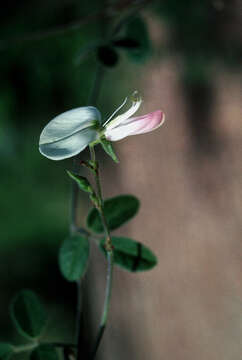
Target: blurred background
x,y
187,62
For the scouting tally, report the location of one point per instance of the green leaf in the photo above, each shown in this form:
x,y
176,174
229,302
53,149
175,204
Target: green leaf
x,y
137,31
73,257
82,182
28,314
130,254
44,352
6,351
108,148
117,211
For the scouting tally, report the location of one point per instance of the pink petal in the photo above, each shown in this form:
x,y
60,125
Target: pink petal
x,y
136,125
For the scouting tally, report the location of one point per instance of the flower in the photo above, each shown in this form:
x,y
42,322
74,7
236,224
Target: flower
x,y
125,125
71,132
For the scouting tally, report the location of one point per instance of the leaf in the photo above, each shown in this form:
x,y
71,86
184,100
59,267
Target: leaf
x,y
73,257
28,314
108,148
137,31
117,211
107,56
130,254
126,43
82,182
44,352
6,351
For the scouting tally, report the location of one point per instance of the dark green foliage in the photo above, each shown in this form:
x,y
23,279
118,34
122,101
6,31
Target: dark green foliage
x,y
131,255
44,352
73,257
126,43
28,314
107,56
108,148
137,34
6,351
117,210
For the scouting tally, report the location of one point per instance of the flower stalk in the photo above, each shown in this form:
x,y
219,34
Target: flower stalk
x,y
109,249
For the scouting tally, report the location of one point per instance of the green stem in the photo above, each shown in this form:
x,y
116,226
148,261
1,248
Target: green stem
x,y
34,344
106,306
94,93
26,347
108,245
97,83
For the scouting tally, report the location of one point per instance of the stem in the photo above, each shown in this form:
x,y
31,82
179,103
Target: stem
x,y
108,245
94,93
106,305
61,345
27,347
96,88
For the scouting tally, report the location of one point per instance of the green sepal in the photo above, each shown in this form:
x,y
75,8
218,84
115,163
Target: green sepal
x,y
6,351
73,257
81,181
44,352
108,148
117,211
28,314
130,254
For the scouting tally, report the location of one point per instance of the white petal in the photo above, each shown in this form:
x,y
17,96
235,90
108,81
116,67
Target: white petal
x,y
69,146
69,123
136,102
135,126
115,112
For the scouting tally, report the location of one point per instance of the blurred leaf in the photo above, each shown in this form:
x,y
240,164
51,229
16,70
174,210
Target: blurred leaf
x,y
108,148
44,352
126,43
130,254
28,314
117,211
73,257
137,32
6,351
107,56
82,182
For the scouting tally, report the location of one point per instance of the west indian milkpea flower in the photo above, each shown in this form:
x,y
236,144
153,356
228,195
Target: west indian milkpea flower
x,y
71,132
